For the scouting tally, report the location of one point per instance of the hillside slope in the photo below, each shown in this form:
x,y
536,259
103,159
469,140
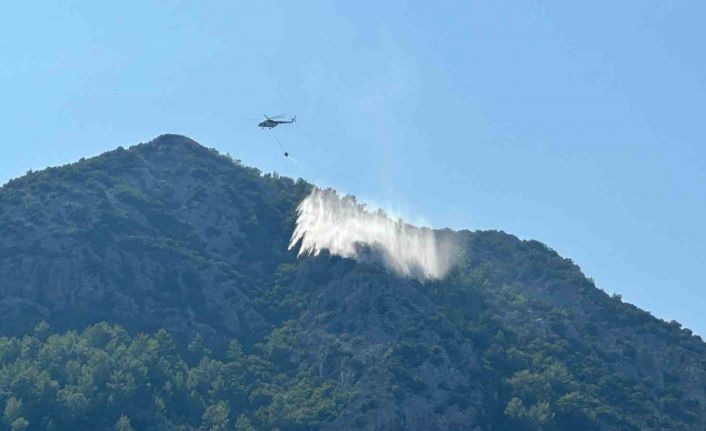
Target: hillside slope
x,y
171,239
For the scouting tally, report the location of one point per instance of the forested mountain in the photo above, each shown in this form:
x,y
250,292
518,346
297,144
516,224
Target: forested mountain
x,y
152,288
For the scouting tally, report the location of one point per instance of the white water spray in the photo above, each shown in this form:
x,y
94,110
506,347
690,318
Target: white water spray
x,y
345,228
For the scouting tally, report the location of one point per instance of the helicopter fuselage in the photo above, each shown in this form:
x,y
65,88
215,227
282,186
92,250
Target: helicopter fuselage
x,y
270,123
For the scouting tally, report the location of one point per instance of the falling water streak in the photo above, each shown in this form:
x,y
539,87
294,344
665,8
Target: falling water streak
x,y
341,225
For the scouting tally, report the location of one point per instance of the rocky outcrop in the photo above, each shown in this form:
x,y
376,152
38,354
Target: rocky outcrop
x,y
169,234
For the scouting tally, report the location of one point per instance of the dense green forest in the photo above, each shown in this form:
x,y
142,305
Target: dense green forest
x,y
152,288
103,377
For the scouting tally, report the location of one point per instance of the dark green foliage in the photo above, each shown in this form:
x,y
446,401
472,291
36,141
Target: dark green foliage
x,y
92,379
560,371
215,324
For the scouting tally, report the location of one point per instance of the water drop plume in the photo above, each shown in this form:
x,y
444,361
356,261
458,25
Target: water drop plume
x,y
344,227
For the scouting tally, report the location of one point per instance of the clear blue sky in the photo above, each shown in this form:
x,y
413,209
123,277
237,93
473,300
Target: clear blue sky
x,y
579,124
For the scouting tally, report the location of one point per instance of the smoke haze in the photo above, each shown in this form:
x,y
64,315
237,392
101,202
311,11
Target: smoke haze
x,y
346,228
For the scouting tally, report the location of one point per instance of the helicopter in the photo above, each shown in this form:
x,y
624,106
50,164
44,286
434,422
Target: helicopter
x,y
272,122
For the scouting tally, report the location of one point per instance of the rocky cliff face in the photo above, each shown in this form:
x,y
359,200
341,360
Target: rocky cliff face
x,y
172,235
165,235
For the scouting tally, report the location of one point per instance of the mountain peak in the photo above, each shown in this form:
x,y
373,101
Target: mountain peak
x,y
173,139
171,235
170,142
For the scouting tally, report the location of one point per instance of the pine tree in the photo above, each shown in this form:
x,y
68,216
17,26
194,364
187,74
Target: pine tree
x,y
20,424
13,410
123,424
243,424
215,418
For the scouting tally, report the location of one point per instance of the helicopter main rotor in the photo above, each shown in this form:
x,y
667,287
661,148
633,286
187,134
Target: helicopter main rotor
x,y
274,117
